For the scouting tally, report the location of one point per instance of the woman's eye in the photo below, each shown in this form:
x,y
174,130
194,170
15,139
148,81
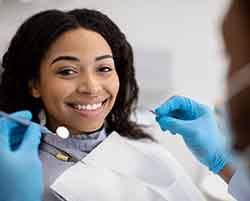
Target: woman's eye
x,y
105,69
67,72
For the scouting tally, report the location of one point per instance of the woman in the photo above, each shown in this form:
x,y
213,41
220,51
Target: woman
x,y
75,69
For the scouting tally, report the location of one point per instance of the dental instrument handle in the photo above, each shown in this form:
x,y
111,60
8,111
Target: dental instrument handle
x,y
146,108
26,122
152,111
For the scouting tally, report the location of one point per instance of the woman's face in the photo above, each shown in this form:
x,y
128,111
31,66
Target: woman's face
x,y
78,81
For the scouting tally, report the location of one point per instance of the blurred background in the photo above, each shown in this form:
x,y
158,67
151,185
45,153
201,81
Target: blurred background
x,y
178,50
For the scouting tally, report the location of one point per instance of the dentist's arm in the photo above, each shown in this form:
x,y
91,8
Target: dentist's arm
x,y
20,166
196,124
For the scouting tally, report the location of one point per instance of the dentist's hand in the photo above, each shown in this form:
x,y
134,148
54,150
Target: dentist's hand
x,y
20,167
196,124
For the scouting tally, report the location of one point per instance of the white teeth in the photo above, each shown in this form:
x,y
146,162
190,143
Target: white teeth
x,y
88,106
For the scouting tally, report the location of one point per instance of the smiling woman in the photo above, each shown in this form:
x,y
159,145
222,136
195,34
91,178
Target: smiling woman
x,y
80,49
76,69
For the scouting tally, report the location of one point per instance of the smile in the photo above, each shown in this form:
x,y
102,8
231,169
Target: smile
x,y
87,106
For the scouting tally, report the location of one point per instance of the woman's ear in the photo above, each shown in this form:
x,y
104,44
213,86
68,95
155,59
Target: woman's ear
x,y
34,89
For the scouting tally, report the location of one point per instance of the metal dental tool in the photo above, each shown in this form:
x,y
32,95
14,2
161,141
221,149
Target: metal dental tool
x,y
61,131
145,108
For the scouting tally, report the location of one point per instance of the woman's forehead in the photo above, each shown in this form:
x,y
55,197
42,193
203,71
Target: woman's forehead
x,y
80,43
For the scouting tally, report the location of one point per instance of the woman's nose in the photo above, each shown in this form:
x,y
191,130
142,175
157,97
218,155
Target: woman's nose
x,y
89,84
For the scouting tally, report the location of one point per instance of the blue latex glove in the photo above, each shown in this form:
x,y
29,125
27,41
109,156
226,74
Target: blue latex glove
x,y
20,168
197,125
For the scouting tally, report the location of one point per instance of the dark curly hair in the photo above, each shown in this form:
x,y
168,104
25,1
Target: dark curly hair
x,y
32,40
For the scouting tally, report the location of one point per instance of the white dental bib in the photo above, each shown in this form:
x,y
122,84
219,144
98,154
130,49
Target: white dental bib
x,y
120,169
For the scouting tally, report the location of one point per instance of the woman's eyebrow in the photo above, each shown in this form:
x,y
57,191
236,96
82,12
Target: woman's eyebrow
x,y
70,58
106,56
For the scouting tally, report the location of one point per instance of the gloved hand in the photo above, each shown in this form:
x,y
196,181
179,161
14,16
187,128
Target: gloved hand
x,y
20,168
197,125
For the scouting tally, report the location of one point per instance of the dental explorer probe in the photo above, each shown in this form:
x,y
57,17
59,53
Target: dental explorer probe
x,y
61,131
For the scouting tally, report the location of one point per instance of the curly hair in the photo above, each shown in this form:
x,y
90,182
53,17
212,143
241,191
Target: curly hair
x,y
32,40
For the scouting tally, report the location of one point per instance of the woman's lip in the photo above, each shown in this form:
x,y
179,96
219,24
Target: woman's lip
x,y
86,103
